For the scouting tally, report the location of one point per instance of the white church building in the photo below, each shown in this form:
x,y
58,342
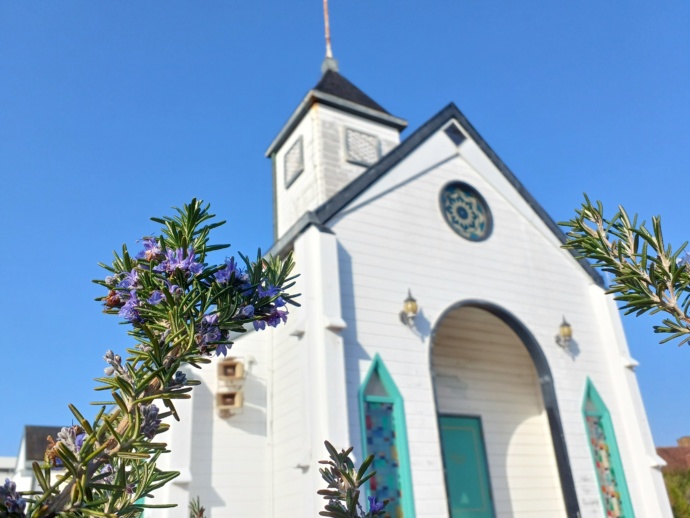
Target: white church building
x,y
481,404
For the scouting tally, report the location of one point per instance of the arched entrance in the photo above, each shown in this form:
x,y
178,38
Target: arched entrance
x,y
499,426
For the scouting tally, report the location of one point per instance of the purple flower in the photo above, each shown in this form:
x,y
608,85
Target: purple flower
x,y
685,260
129,310
225,275
233,271
211,320
12,498
176,260
150,421
72,437
174,290
130,281
246,312
155,298
259,324
151,251
268,291
79,440
179,379
222,349
208,332
275,316
375,506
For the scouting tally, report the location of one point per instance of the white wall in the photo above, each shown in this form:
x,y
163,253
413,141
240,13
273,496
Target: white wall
x,y
393,237
229,456
326,169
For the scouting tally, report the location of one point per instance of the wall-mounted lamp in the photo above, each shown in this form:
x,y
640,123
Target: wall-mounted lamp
x,y
409,311
565,334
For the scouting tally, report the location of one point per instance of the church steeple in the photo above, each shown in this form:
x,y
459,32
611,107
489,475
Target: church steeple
x,y
333,136
329,62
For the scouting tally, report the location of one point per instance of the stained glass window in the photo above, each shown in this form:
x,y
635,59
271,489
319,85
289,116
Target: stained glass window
x,y
380,430
607,463
384,436
466,211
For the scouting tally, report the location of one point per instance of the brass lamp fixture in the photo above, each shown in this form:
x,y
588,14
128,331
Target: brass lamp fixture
x,y
565,334
409,311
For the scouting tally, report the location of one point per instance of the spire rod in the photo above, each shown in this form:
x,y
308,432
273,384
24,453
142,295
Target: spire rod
x,y
329,51
329,62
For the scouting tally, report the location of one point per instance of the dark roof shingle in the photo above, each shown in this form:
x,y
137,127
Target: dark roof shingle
x,y
335,84
36,438
677,458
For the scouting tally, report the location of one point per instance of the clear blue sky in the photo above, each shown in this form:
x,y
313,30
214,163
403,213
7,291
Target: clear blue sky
x,y
111,112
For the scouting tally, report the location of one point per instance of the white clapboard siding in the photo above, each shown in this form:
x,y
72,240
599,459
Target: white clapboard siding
x,y
288,413
229,461
326,169
303,193
482,369
393,238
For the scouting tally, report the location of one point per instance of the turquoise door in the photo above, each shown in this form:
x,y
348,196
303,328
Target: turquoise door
x,y
464,459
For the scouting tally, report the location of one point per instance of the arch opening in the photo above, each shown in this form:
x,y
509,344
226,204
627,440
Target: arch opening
x,y
490,375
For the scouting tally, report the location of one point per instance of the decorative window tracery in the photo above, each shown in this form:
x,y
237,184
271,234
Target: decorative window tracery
x,y
607,462
466,211
384,436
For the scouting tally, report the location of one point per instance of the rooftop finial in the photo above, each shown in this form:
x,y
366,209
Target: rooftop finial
x,y
329,62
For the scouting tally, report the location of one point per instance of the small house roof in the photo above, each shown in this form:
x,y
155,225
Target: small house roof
x,y
677,457
36,440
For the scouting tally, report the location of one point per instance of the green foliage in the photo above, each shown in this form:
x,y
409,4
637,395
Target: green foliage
x,y
180,312
195,509
648,275
344,483
678,487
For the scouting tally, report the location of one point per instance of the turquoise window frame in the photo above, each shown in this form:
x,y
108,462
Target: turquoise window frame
x,y
142,500
602,412
395,398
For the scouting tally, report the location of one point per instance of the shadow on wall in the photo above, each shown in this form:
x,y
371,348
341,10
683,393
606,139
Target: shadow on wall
x,y
355,351
205,461
202,453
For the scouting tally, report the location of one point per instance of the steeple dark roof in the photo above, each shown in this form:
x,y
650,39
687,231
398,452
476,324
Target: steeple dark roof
x,y
337,92
335,84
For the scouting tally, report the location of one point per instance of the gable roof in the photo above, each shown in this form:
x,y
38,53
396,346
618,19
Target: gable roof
x,y
36,440
350,192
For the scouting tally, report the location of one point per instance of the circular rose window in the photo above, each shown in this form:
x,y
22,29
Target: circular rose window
x,y
466,211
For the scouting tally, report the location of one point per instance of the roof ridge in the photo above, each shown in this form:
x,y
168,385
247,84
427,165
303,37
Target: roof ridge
x,y
351,191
